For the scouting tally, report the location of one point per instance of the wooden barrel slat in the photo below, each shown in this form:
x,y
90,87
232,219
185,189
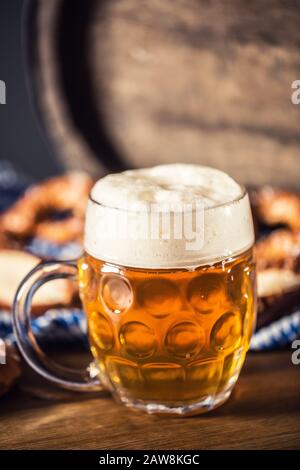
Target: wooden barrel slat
x,y
134,83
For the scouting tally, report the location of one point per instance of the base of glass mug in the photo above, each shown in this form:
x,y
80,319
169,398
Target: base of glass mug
x,y
203,406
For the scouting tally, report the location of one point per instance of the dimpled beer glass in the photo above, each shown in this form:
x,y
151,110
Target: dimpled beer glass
x,y
169,327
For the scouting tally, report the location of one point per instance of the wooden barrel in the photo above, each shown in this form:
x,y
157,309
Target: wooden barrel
x,y
127,83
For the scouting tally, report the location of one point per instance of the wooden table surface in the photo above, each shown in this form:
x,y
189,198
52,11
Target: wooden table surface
x,y
263,413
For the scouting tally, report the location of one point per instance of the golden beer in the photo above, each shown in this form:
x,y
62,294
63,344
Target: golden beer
x,y
167,282
172,337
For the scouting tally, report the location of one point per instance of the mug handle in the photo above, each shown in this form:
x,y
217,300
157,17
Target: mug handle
x,y
70,379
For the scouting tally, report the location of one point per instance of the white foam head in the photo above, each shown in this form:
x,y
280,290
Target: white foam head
x,y
226,222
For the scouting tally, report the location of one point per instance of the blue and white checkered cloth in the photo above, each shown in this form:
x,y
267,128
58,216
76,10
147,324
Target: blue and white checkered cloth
x,y
63,326
69,325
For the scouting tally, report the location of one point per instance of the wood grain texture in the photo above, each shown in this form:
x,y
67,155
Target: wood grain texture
x,y
264,413
135,83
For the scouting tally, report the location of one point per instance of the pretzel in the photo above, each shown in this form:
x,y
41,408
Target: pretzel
x,y
61,231
15,266
278,275
278,294
276,306
9,242
273,207
32,214
281,249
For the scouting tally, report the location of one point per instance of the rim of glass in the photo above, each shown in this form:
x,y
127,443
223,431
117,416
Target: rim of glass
x,y
241,196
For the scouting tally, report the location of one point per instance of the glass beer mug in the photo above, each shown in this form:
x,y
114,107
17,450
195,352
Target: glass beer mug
x,y
169,321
